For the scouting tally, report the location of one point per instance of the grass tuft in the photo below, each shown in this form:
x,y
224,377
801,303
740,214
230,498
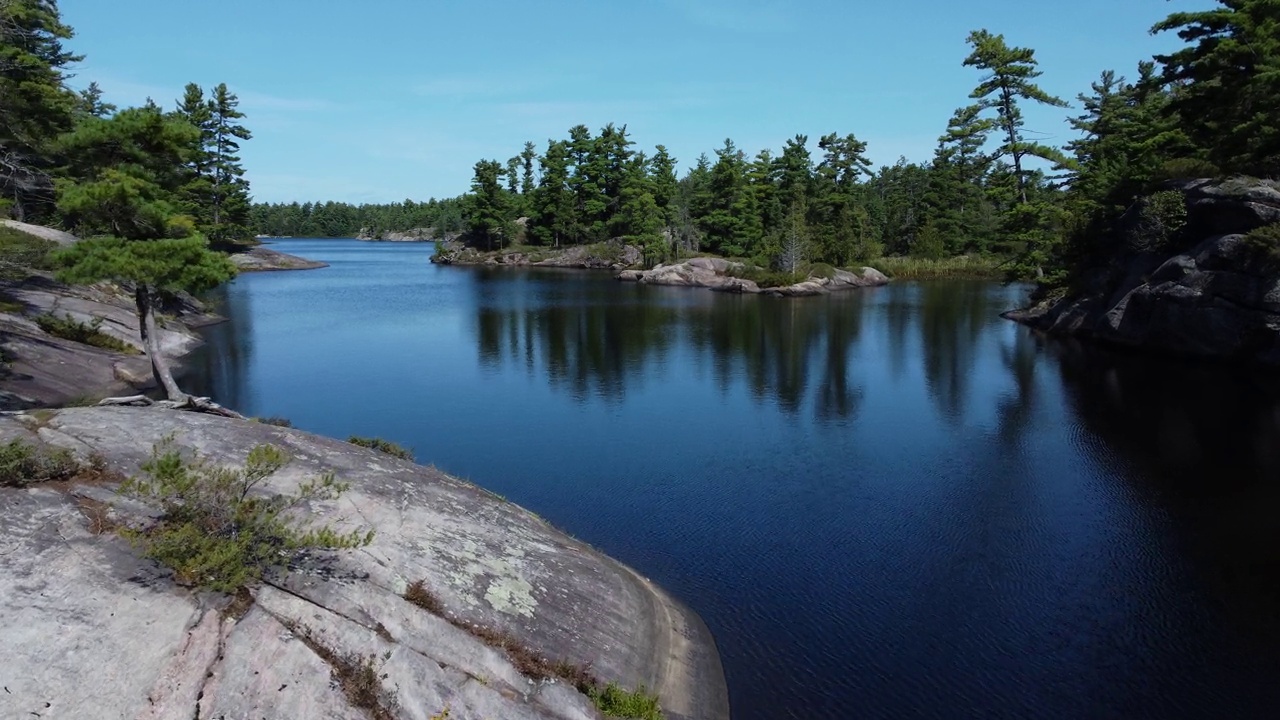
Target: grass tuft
x,y
961,266
382,446
613,701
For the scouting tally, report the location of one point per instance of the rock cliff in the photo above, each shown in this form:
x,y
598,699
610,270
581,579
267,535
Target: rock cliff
x,y
1213,292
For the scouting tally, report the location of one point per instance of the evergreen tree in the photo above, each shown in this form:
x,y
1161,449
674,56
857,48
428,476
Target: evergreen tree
x,y
91,103
527,156
488,206
230,198
554,204
35,104
957,204
732,223
1011,71
126,171
1228,82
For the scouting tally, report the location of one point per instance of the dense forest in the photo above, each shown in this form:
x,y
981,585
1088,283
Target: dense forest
x,y
1210,108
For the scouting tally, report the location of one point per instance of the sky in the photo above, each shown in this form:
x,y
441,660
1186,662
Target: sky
x,y
386,100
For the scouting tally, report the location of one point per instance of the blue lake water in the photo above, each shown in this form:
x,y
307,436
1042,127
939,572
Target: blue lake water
x,y
884,503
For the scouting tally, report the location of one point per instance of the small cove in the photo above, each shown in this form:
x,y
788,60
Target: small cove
x,y
884,503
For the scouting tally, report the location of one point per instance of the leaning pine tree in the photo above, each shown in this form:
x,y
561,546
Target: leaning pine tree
x,y
125,192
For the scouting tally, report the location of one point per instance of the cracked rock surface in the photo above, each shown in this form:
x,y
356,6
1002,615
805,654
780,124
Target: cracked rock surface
x,y
93,631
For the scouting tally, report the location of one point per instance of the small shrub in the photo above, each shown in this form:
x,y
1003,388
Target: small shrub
x,y
1161,217
382,446
613,701
359,676
90,333
275,421
215,532
22,464
1264,244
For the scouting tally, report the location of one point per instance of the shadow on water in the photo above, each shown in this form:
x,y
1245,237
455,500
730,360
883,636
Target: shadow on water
x,y
1202,442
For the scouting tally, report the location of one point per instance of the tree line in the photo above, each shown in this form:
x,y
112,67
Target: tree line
x,y
1211,107
337,219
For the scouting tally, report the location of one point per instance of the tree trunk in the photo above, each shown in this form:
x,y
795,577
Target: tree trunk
x,y
1013,141
151,341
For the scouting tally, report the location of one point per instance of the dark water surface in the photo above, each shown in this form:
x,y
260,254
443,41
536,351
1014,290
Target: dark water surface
x,y
886,503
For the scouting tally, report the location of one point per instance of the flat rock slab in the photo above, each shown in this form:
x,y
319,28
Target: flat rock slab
x,y
262,259
45,233
489,562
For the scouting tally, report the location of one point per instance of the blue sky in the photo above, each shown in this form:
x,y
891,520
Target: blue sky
x,y
390,99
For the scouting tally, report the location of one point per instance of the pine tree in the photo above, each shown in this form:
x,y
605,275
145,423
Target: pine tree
x,y
1228,82
527,157
125,173
553,205
35,104
1011,71
230,199
732,224
958,207
488,205
91,103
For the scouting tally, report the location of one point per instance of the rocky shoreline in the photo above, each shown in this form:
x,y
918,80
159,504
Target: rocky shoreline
x,y
264,259
703,272
43,370
605,256
490,564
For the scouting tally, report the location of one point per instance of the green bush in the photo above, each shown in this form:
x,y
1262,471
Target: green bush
x,y
1264,243
90,333
613,701
275,421
382,446
216,532
1161,217
22,464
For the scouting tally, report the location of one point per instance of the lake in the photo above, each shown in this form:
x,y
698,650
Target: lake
x,y
884,503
